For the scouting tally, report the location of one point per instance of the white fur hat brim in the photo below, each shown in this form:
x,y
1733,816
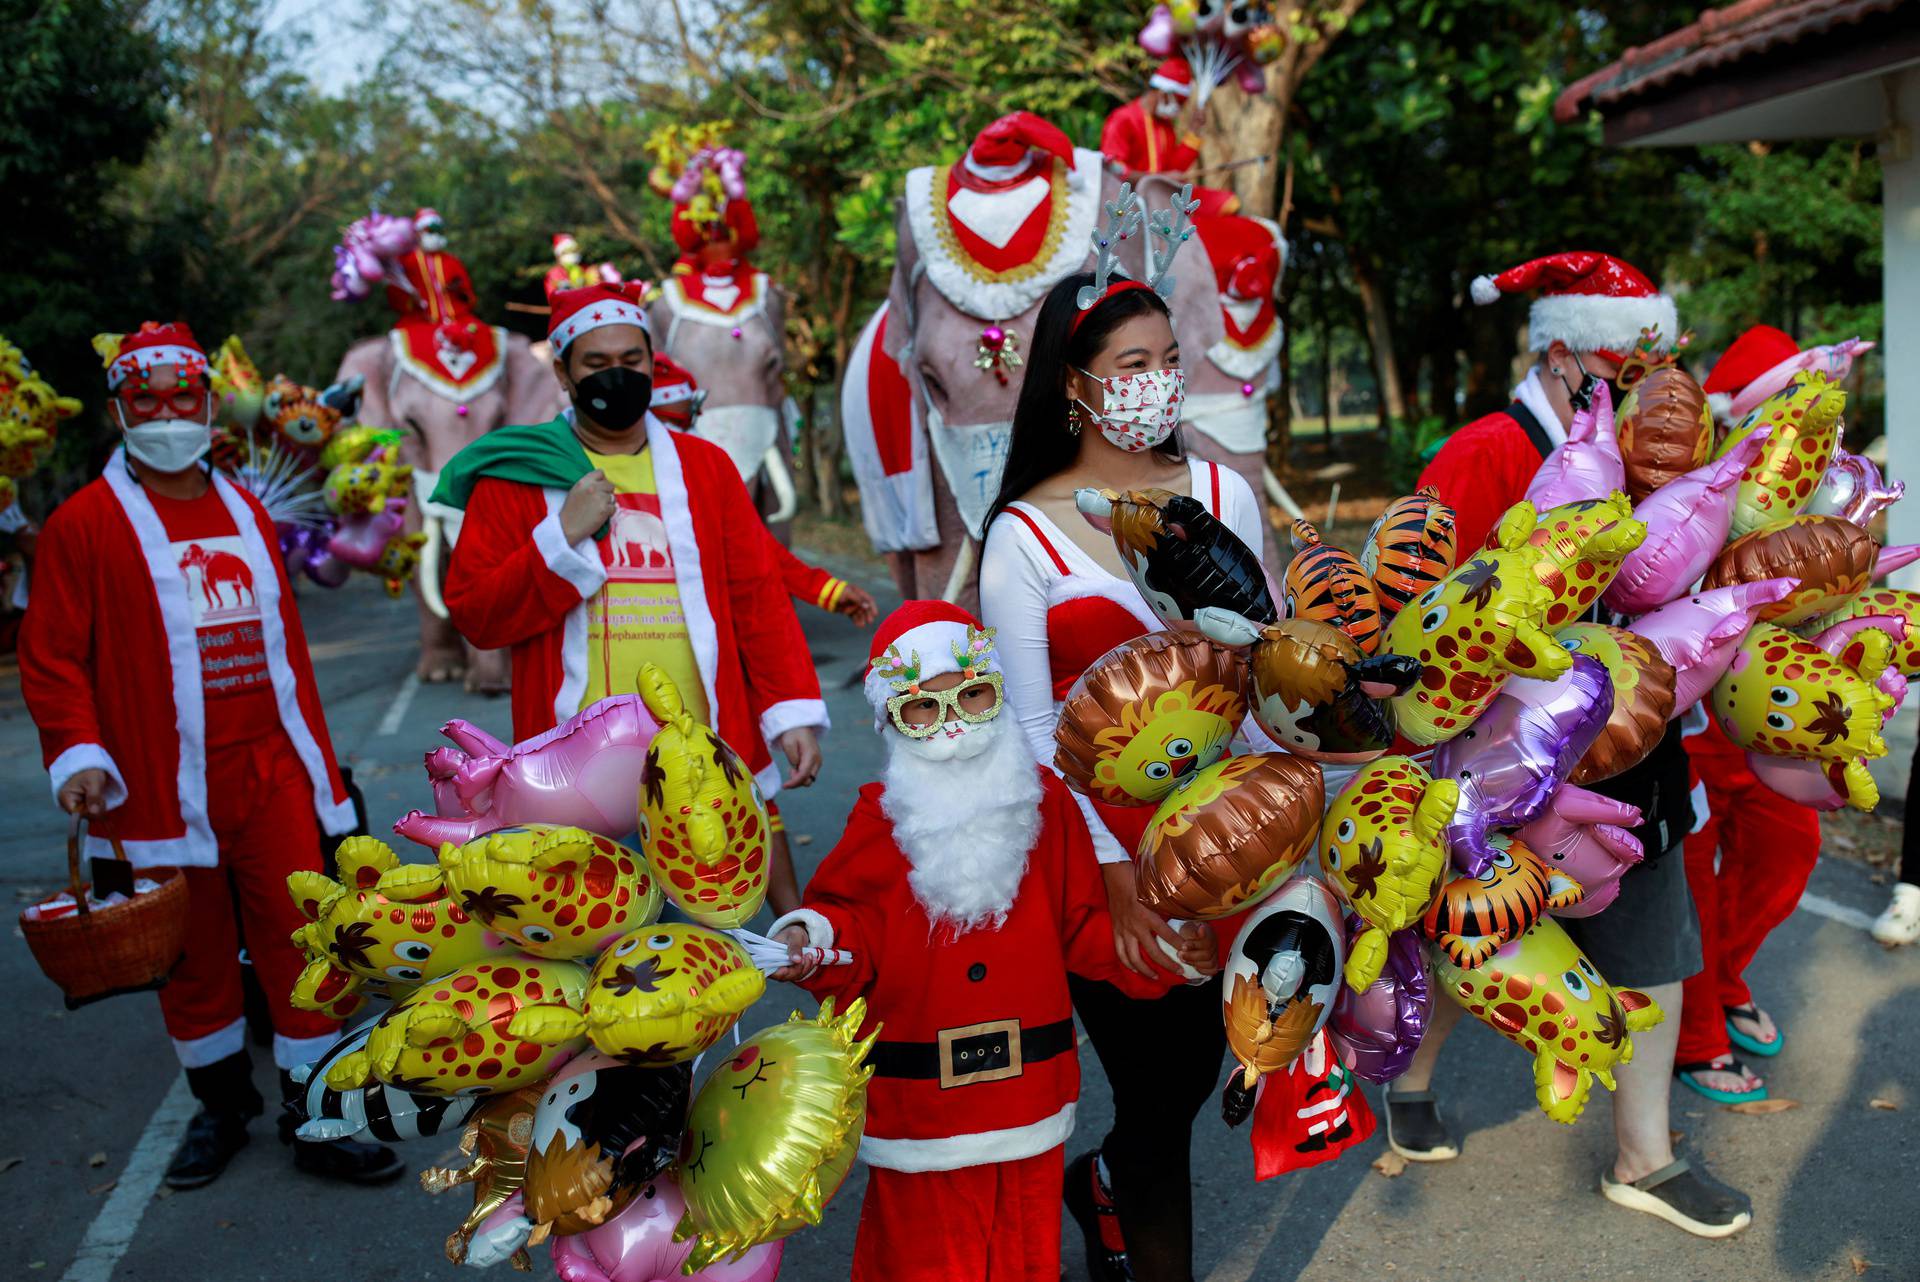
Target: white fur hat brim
x,y
1592,322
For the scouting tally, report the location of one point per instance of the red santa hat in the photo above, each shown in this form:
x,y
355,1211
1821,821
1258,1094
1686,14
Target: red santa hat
x,y
920,640
676,396
1175,77
1592,302
562,240
1753,355
426,216
1003,148
576,311
154,343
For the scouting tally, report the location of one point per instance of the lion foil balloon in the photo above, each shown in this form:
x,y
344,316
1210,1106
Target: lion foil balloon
x,y
1383,846
1326,584
453,1036
1409,549
1179,555
1474,916
1541,993
384,927
662,995
1283,976
773,1132
1230,835
1802,422
1473,629
1148,715
555,892
703,821
1784,696
1314,692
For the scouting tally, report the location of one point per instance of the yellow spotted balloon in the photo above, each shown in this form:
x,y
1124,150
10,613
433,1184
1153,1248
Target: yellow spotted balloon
x,y
1542,994
1898,602
1383,846
554,891
663,994
702,819
1802,422
1585,542
773,1132
453,1036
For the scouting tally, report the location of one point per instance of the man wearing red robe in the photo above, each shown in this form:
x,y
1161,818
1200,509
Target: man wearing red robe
x,y
438,288
1141,137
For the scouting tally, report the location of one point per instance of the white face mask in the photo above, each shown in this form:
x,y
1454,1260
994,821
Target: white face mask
x,y
1168,109
167,444
1141,409
433,242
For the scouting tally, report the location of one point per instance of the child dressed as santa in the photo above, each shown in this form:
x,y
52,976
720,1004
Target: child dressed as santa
x,y
966,889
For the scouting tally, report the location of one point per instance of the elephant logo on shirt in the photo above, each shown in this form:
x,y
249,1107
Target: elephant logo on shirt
x,y
638,542
219,571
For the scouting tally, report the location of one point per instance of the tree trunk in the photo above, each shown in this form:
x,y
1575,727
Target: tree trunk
x,y
1238,127
1281,407
1378,313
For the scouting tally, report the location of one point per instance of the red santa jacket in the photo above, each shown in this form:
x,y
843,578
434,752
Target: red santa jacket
x,y
442,290
110,668
515,581
1145,144
805,582
711,246
1482,470
940,1001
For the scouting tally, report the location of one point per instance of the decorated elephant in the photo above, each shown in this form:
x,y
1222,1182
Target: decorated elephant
x,y
444,389
929,391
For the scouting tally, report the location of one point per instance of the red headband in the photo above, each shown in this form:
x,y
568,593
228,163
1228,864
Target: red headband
x,y
1117,287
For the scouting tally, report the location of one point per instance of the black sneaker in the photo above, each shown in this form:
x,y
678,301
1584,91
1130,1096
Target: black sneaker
x,y
1090,1203
1685,1198
210,1143
349,1161
1414,1128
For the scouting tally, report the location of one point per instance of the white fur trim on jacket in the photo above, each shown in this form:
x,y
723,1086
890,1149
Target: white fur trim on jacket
x,y
952,1152
198,1052
792,714
897,509
819,929
670,483
291,1052
577,563
88,756
1589,322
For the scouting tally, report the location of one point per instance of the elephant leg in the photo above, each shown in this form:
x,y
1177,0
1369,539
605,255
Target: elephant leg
x,y
443,656
1249,466
765,504
489,672
929,571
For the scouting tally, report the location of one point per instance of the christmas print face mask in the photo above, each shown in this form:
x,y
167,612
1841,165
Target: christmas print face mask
x,y
1142,409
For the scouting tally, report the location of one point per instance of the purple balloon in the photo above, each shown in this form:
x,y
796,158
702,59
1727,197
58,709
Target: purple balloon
x,y
1585,836
1589,465
585,772
1375,1032
1854,489
1688,520
1699,634
1511,759
637,1246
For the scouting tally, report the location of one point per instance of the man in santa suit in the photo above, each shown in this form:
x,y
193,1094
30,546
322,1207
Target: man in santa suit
x,y
676,402
965,888
438,290
1140,137
602,540
1591,311
718,244
163,661
568,272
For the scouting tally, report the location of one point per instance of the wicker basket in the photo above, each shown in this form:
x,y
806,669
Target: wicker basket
x,y
102,952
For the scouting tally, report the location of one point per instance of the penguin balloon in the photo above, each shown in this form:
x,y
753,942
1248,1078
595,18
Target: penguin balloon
x,y
1283,976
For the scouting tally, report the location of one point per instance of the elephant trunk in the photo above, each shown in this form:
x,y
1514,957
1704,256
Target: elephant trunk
x,y
431,525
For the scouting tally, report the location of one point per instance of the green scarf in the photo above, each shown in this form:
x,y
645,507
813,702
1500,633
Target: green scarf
x,y
545,454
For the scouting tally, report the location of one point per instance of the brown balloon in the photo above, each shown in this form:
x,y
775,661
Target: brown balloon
x,y
1224,839
1317,695
1665,430
1148,714
1830,556
1642,698
497,1137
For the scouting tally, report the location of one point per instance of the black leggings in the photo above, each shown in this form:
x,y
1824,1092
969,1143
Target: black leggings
x,y
1909,839
1162,1058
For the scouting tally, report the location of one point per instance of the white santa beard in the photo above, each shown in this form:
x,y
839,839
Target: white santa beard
x,y
968,853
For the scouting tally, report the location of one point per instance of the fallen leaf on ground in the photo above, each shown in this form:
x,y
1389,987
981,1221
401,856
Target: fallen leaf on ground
x,y
8,1163
98,1159
1389,1164
802,839
224,1224
1840,841
98,1189
1764,1106
1885,1105
1674,1137
1860,1264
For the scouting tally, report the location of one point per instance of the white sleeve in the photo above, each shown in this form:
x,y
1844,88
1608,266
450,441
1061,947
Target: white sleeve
x,y
1240,510
1013,602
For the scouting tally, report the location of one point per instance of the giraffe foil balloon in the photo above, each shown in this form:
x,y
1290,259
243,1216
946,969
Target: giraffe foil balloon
x,y
564,893
1383,847
1897,602
1586,542
1802,422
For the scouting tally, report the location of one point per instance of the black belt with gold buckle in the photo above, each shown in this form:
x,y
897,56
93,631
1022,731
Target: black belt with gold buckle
x,y
989,1052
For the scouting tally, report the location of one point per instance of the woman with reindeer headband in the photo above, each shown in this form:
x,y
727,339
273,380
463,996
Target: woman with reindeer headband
x,y
1101,407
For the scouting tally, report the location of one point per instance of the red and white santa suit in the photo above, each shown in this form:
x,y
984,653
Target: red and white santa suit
x,y
1748,865
162,646
515,581
966,889
1138,142
441,289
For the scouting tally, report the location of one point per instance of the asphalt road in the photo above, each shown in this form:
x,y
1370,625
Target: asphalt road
x,y
93,1099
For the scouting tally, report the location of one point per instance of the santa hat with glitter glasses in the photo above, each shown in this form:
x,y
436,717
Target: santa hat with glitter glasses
x,y
922,640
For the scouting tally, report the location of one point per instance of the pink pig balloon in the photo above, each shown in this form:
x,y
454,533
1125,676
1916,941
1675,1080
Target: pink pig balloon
x,y
1585,836
361,538
1699,634
1157,36
584,772
1688,520
1511,759
1589,465
637,1246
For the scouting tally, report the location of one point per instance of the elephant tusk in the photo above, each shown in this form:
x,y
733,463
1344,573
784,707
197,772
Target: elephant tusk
x,y
1278,493
785,503
430,566
962,567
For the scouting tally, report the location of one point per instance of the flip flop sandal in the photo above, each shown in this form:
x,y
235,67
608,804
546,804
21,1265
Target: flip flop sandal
x,y
1752,1045
1685,1072
1674,1193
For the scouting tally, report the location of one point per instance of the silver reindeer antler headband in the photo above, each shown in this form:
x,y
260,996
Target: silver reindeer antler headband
x,y
1170,228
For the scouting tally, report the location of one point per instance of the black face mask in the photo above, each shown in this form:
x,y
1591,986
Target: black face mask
x,y
1581,398
615,398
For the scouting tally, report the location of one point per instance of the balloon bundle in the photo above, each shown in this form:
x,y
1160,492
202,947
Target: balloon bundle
x,y
369,254
30,414
538,998
693,167
1218,40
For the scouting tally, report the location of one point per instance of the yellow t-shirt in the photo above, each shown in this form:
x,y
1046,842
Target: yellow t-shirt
x,y
636,617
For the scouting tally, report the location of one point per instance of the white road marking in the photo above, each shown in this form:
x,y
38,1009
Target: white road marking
x,y
1821,906
390,724
113,1230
